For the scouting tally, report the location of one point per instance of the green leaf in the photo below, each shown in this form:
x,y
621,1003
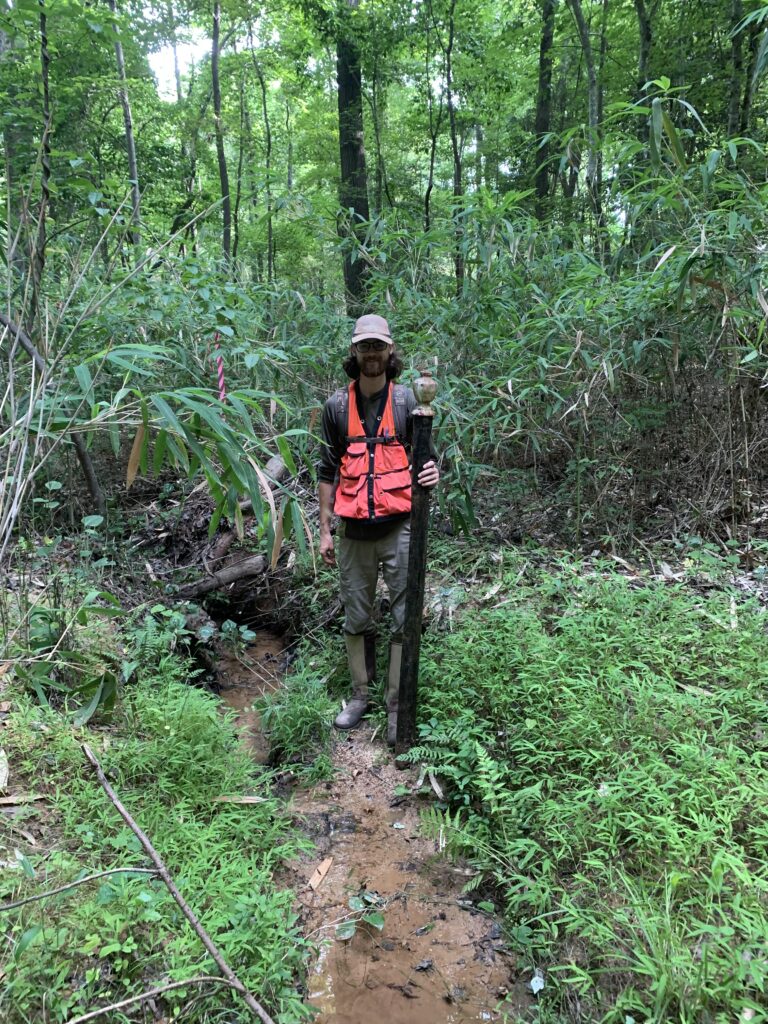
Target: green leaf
x,y
84,379
26,940
674,142
91,522
355,903
345,931
375,920
26,865
285,454
655,135
104,696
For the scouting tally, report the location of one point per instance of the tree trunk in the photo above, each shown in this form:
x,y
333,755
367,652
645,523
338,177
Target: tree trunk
x,y
458,189
40,241
645,27
544,105
221,156
169,13
435,121
289,134
593,116
603,242
130,142
737,69
267,162
757,39
353,184
241,140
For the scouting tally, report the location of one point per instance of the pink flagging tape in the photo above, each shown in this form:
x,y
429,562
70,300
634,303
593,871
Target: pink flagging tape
x,y
220,369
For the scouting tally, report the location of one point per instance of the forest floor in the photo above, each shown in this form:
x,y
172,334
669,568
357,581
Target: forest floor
x,y
581,834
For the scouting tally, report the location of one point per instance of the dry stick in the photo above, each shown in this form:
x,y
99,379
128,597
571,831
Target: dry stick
x,y
154,856
72,885
199,980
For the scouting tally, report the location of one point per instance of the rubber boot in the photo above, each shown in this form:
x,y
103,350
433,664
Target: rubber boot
x,y
358,704
393,690
370,658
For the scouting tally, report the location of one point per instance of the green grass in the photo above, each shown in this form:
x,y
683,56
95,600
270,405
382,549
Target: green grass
x,y
169,754
605,747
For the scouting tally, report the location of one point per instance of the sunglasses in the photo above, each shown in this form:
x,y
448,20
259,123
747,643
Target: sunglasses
x,y
371,346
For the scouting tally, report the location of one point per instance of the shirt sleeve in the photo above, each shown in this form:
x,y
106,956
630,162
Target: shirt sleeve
x,y
333,444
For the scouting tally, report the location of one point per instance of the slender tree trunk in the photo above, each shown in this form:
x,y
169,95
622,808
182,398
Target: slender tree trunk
x,y
435,121
289,134
458,190
479,142
170,15
353,184
544,106
221,156
603,246
40,242
130,141
593,106
758,38
458,187
737,69
241,139
645,28
267,162
381,187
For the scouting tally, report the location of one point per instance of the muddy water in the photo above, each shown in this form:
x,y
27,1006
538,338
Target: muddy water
x,y
242,679
437,960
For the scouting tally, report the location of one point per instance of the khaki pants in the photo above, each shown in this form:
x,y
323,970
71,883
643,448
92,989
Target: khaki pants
x,y
359,562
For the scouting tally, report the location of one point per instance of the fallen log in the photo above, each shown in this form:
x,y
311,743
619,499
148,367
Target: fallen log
x,y
252,565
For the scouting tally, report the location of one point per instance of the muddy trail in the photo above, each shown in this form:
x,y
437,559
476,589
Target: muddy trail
x,y
437,959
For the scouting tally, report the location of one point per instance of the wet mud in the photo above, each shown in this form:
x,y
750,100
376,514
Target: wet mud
x,y
242,678
437,959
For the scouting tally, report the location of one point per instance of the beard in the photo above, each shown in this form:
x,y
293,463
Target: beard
x,y
373,366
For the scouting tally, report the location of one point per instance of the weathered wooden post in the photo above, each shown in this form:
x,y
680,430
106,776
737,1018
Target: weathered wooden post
x,y
425,389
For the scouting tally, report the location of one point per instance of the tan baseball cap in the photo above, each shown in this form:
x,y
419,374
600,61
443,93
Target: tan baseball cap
x,y
371,326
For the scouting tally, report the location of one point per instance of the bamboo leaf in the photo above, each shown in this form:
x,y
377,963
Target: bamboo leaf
x,y
655,135
674,142
135,456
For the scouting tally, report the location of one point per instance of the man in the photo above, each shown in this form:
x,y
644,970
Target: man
x,y
365,478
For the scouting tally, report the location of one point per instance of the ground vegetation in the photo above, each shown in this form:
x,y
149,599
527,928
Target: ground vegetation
x,y
561,209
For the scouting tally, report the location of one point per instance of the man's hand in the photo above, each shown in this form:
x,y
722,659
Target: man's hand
x,y
428,476
327,552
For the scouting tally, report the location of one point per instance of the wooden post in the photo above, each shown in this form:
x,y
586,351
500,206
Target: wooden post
x,y
425,389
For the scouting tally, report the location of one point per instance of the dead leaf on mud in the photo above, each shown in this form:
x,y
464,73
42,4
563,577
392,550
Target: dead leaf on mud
x,y
19,798
3,770
319,873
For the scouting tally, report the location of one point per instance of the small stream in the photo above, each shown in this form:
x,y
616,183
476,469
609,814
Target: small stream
x,y
437,959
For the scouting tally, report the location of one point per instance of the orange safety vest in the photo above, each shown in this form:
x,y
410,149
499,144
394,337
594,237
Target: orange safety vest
x,y
374,476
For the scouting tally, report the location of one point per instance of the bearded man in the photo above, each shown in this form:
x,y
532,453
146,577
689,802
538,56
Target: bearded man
x,y
365,479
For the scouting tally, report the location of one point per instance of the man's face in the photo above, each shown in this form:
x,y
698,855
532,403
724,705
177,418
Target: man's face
x,y
372,356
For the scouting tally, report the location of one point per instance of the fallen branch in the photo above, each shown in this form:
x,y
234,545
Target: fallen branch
x,y
256,1008
199,980
253,565
72,885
